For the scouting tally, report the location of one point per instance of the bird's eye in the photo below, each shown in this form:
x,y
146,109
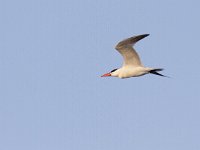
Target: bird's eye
x,y
113,70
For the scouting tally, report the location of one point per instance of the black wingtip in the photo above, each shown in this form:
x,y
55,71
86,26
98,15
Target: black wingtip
x,y
155,71
144,35
131,40
139,37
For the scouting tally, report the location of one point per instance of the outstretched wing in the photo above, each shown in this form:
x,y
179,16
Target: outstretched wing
x,y
125,48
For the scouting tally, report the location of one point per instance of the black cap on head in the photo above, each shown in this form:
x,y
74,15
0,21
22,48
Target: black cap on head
x,y
113,70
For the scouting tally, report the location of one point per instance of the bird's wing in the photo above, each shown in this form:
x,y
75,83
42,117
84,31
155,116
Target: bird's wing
x,y
125,48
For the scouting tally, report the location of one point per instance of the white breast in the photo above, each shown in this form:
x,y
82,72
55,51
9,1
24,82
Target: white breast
x,y
130,71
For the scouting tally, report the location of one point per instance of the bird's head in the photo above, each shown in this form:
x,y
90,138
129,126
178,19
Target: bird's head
x,y
111,73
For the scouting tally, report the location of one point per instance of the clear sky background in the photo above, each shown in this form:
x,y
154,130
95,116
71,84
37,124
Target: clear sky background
x,y
52,53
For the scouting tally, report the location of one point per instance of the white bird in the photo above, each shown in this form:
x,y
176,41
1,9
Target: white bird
x,y
132,66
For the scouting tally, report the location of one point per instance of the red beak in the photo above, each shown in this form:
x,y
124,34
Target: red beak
x,y
106,75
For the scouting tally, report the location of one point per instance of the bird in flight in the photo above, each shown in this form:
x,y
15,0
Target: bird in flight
x,y
132,66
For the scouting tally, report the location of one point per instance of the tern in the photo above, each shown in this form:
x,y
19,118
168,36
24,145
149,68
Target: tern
x,y
132,65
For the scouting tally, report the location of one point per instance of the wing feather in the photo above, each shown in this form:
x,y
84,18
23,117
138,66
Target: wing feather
x,y
125,48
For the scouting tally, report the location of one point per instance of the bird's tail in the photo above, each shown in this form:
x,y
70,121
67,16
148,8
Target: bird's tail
x,y
155,71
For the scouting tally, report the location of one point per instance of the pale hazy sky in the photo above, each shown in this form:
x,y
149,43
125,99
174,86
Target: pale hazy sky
x,y
52,53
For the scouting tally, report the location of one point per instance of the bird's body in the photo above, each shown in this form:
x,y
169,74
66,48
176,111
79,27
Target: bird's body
x,y
130,71
132,66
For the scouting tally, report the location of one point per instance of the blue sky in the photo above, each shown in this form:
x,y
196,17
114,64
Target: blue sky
x,y
52,54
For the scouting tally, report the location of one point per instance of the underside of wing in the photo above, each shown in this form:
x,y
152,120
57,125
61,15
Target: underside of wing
x,y
130,56
125,48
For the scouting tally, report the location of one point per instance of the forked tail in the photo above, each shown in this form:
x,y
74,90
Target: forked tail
x,y
155,71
